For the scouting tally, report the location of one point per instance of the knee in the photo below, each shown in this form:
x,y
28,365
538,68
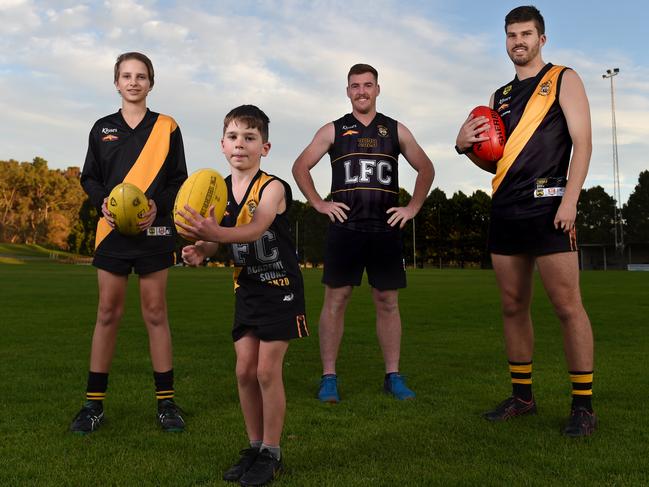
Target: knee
x,y
386,303
337,303
109,315
266,375
569,312
154,315
513,306
246,372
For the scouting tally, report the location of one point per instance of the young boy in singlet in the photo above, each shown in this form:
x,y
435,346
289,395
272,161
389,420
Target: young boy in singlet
x,y
269,292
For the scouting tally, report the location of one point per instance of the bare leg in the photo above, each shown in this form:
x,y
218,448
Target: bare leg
x,y
154,312
269,375
332,324
112,293
514,277
247,350
560,276
388,327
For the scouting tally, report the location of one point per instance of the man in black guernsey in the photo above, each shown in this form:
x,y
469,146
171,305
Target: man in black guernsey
x,y
535,191
366,221
145,148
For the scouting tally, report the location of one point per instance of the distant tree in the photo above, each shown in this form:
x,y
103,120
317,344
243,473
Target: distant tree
x,y
595,212
636,211
82,235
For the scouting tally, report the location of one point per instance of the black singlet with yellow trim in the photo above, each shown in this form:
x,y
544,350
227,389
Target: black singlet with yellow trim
x,y
152,157
535,182
267,280
365,176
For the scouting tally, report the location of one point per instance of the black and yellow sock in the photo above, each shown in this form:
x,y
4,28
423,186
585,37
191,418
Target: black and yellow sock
x,y
521,374
97,385
582,390
164,384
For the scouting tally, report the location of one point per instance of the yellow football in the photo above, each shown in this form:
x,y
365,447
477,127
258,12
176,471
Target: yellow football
x,y
204,188
127,204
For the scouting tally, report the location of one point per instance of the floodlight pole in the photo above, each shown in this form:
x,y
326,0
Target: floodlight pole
x,y
617,211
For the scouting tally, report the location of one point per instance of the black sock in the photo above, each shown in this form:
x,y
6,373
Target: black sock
x,y
164,384
97,385
521,375
582,390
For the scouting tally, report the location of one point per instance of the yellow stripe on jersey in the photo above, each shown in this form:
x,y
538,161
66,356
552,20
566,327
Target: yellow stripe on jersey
x,y
577,392
247,210
537,107
370,154
147,166
521,381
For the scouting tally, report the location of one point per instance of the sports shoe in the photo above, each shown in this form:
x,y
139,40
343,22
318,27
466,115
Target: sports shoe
x,y
169,416
511,407
263,471
581,422
89,418
247,457
395,384
329,389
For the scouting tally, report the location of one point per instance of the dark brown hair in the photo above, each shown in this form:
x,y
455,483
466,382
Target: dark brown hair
x,y
252,116
362,69
526,13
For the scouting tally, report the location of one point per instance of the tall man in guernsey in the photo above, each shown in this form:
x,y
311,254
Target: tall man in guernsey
x,y
535,191
366,221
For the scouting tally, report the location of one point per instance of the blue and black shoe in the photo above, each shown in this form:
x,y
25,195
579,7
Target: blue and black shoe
x,y
89,418
329,389
395,385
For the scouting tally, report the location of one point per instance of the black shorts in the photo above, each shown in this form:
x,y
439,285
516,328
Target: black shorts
x,y
140,265
282,330
349,252
532,236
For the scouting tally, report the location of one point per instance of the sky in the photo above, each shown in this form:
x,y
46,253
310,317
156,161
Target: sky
x,y
436,61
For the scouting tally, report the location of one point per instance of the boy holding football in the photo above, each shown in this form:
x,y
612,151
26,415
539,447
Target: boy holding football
x,y
269,292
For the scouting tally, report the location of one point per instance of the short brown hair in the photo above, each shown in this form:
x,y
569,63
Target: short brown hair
x,y
362,69
252,116
134,55
526,13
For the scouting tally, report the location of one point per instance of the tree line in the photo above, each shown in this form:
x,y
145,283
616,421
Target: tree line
x,y
48,207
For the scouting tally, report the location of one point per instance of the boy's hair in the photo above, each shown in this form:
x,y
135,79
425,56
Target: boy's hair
x,y
252,116
362,69
134,55
526,13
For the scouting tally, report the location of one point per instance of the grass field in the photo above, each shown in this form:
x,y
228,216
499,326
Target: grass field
x,y
452,353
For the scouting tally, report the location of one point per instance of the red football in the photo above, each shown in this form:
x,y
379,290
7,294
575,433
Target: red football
x,y
492,149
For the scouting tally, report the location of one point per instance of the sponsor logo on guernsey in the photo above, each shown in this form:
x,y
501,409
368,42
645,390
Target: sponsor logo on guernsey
x,y
347,127
503,107
545,88
382,130
507,89
109,138
367,142
350,132
158,232
108,131
252,206
504,100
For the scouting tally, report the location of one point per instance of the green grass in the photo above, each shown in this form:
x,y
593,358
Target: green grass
x,y
452,353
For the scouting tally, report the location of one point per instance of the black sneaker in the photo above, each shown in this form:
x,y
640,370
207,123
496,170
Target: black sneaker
x,y
265,469
247,457
89,418
169,416
581,422
510,408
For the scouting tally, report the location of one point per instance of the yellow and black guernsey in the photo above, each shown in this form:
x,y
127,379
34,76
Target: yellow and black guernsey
x,y
531,175
365,176
152,157
267,280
